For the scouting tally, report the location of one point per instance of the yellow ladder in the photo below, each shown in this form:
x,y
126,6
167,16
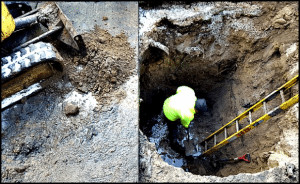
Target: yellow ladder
x,y
266,116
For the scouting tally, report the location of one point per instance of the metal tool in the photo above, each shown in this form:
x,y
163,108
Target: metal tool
x,y
245,157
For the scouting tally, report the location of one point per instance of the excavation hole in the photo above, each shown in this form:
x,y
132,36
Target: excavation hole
x,y
212,51
161,75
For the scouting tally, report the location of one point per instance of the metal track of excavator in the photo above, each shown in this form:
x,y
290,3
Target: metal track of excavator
x,y
23,71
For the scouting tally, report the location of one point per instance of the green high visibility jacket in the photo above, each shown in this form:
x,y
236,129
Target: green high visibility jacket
x,y
181,105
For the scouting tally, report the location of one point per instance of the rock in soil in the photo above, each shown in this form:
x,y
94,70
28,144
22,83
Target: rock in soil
x,y
71,109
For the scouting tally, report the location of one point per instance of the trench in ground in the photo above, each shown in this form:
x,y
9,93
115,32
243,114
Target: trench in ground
x,y
160,76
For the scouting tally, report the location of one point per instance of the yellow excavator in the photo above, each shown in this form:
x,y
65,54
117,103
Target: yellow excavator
x,y
7,22
27,66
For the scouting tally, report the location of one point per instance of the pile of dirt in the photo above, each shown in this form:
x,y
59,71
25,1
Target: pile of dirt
x,y
107,64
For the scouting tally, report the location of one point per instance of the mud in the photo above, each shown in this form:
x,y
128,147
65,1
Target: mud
x,y
233,56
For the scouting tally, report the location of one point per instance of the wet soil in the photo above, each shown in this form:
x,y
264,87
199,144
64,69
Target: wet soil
x,y
232,76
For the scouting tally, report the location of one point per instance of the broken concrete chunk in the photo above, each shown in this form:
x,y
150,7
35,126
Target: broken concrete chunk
x,y
158,45
83,88
290,169
280,21
71,109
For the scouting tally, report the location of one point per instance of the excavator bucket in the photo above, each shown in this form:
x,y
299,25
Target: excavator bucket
x,y
68,35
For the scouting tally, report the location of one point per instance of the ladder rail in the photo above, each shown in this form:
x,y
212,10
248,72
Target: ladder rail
x,y
249,127
256,106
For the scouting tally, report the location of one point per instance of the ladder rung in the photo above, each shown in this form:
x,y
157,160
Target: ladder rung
x,y
250,117
225,131
237,125
282,96
215,139
205,145
265,107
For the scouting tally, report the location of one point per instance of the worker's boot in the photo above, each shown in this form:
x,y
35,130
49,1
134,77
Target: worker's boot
x,y
176,136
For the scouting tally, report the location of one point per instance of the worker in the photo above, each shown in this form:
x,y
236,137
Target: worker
x,y
181,106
